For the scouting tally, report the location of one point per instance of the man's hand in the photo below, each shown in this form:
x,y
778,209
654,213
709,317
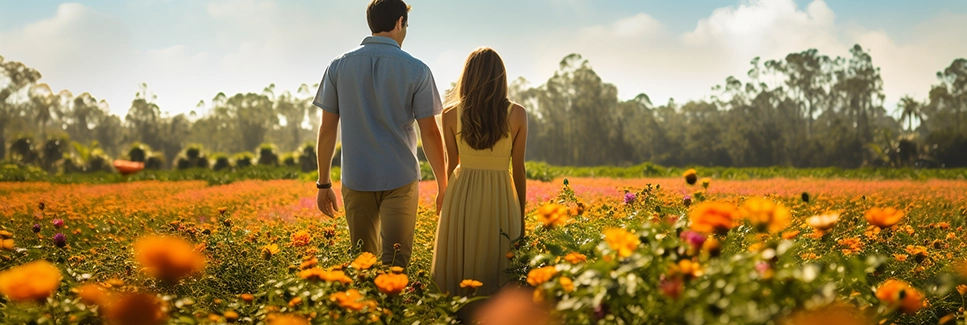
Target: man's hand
x,y
326,201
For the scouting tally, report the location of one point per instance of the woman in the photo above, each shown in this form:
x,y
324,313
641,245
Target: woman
x,y
483,206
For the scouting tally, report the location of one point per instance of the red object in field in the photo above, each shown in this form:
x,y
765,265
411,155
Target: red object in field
x,y
126,167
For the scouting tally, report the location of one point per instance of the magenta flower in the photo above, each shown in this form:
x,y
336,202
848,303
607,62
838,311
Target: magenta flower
x,y
687,200
629,198
36,227
58,223
60,240
694,239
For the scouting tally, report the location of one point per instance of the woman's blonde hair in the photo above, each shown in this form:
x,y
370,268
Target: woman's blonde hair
x,y
481,92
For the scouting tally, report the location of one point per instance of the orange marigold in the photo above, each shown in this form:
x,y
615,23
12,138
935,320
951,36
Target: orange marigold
x,y
137,309
575,258
962,289
839,313
883,217
168,258
34,281
766,215
899,294
709,217
301,238
540,275
287,319
621,241
364,261
566,283
391,283
552,215
470,283
328,276
92,294
269,250
349,299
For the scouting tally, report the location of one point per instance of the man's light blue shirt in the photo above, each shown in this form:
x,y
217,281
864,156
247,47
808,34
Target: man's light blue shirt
x,y
378,90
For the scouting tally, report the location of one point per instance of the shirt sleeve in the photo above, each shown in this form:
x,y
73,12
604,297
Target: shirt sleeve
x,y
326,98
426,100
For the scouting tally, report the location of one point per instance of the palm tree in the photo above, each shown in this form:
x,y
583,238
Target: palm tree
x,y
910,109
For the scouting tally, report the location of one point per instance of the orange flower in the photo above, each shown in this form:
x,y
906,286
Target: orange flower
x,y
823,222
686,267
621,241
899,294
7,244
301,238
766,214
137,309
289,319
92,294
962,289
566,283
883,217
552,215
470,283
690,176
34,281
168,258
364,261
575,257
246,297
790,234
231,316
540,275
709,217
391,283
349,299
838,313
328,276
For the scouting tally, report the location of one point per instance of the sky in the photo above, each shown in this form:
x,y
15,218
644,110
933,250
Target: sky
x,y
190,50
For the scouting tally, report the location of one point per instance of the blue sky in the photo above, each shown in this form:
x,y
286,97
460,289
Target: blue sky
x,y
189,50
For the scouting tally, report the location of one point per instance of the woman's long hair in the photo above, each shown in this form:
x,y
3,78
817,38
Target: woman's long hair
x,y
481,91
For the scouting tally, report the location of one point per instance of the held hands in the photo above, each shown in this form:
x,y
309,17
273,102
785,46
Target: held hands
x,y
326,201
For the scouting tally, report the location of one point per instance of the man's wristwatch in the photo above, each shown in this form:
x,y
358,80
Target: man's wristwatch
x,y
323,186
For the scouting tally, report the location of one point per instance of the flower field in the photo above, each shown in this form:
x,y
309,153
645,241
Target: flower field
x,y
685,250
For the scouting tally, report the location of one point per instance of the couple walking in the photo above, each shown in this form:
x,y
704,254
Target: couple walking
x,y
376,91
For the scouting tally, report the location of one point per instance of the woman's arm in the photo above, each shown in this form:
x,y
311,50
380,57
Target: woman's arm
x,y
518,119
450,139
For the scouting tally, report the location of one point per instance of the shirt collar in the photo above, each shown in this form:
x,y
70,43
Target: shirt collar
x,y
379,40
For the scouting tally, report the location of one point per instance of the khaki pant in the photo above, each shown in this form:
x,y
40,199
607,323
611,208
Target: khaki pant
x,y
382,219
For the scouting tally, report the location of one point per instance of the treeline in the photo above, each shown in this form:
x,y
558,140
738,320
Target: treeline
x,y
805,110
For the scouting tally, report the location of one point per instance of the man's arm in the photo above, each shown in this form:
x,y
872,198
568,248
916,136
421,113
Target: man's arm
x,y
325,148
433,148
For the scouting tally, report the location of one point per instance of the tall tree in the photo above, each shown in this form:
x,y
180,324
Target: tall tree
x,y
909,109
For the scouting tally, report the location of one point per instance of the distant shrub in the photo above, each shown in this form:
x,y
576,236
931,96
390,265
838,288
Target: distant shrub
x,y
138,152
243,159
307,160
155,161
267,155
221,161
289,160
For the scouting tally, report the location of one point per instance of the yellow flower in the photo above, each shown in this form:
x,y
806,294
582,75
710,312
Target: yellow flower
x,y
470,283
686,267
766,214
34,281
566,283
621,241
883,217
137,309
168,258
552,215
301,238
391,283
709,217
364,261
349,299
899,294
838,313
690,176
289,319
705,181
823,222
7,244
540,275
269,250
575,257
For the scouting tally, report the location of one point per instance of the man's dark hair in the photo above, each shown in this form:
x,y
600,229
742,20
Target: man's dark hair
x,y
383,14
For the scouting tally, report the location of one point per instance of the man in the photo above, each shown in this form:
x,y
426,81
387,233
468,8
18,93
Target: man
x,y
377,90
